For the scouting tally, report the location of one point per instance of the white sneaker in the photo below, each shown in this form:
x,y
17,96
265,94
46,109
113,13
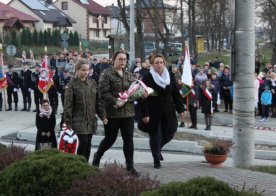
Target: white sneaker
x,y
262,120
266,120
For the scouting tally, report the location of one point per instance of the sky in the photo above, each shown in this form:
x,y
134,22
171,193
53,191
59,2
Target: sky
x,y
101,2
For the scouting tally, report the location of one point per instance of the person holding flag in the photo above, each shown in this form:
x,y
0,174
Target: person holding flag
x,y
38,96
3,81
208,96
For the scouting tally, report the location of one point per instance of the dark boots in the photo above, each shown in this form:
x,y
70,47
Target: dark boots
x,y
29,107
15,107
36,108
130,168
96,160
10,107
25,107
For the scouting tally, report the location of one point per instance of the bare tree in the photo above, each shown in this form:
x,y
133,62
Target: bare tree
x,y
268,15
123,15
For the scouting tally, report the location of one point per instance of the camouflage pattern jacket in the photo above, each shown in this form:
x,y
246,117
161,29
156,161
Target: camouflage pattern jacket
x,y
110,85
82,103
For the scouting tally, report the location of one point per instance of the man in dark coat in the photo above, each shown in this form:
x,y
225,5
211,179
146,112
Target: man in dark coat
x,y
12,89
26,86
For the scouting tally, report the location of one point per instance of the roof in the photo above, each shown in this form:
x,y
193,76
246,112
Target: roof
x,y
12,21
7,12
149,3
48,12
94,7
115,11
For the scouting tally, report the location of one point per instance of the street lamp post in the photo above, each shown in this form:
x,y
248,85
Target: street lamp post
x,y
131,33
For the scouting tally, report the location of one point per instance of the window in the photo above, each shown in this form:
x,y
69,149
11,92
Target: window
x,y
95,19
96,33
104,19
64,5
104,32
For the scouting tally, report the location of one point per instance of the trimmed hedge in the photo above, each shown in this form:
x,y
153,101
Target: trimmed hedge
x,y
203,186
45,172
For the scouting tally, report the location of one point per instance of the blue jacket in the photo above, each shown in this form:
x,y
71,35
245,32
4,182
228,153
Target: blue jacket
x,y
266,97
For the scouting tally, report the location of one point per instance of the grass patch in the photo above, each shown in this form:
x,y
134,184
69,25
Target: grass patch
x,y
264,169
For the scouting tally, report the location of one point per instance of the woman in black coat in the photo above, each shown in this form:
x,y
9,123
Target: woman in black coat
x,y
45,123
158,111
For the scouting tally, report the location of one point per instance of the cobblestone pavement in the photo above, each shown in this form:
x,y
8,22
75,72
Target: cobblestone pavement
x,y
183,171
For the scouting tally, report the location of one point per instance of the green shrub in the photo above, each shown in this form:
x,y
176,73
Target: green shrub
x,y
203,186
44,173
114,180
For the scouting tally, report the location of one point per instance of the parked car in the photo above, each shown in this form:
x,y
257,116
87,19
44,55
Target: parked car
x,y
149,48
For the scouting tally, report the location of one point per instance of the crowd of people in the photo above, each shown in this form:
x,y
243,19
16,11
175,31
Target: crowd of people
x,y
90,87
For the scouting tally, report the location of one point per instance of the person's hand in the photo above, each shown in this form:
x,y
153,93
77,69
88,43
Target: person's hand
x,y
29,89
48,134
15,90
43,133
105,121
145,95
120,103
195,105
146,119
224,87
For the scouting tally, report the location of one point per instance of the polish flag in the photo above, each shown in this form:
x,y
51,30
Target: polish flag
x,y
45,77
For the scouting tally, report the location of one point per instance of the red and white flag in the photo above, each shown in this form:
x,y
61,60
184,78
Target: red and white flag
x,y
3,79
32,56
23,56
208,94
45,77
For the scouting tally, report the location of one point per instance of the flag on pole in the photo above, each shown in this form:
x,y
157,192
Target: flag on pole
x,y
32,56
45,77
99,18
23,56
187,73
3,79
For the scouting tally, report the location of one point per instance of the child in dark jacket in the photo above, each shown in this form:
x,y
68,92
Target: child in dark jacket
x,y
45,123
266,99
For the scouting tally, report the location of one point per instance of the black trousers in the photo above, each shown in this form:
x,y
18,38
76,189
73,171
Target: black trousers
x,y
126,125
38,96
228,101
265,111
84,148
53,98
158,138
1,100
62,97
11,94
193,114
26,96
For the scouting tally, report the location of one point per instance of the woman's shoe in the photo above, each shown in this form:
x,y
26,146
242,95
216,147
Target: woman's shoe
x,y
157,164
161,157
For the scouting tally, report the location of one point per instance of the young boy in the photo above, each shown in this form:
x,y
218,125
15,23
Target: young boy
x,y
266,99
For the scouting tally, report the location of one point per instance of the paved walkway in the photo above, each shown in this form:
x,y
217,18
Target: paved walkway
x,y
183,171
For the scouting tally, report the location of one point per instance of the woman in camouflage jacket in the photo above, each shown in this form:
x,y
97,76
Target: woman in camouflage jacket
x,y
82,103
120,114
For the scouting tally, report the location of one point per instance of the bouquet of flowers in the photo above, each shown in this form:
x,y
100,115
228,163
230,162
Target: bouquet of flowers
x,y
137,90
